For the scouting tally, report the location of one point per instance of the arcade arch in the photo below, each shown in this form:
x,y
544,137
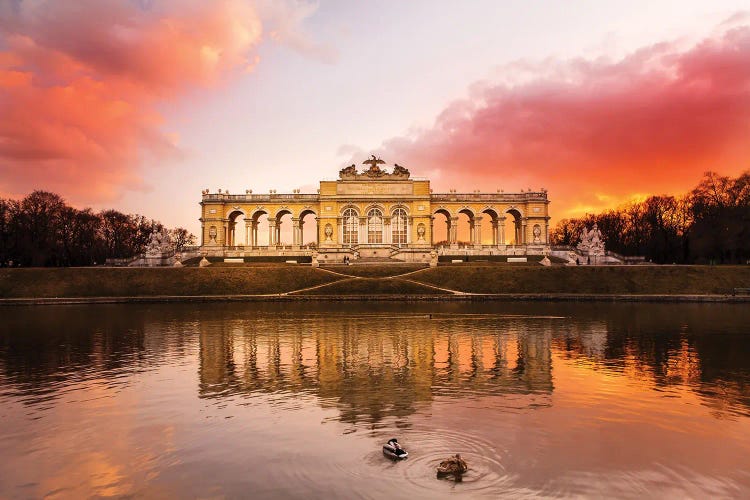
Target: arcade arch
x,y
259,228
513,227
465,227
236,232
308,228
490,233
442,228
284,229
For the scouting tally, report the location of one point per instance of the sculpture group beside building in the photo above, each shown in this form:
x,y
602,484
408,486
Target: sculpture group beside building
x,y
376,213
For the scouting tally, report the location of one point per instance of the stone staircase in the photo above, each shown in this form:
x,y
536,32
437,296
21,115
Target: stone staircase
x,y
378,261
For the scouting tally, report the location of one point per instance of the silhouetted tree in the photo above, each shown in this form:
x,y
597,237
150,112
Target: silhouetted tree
x,y
709,224
6,236
181,238
42,230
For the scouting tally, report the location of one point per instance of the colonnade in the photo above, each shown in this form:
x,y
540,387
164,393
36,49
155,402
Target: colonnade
x,y
274,232
497,226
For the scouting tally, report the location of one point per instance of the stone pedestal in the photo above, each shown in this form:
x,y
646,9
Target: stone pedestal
x,y
159,259
433,259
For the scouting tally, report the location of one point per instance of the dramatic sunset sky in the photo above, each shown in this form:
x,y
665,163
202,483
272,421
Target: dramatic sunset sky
x,y
140,104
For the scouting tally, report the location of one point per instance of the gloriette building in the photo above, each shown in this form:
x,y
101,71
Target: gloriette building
x,y
376,213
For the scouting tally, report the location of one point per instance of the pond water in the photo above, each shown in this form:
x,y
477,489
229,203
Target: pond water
x,y
296,400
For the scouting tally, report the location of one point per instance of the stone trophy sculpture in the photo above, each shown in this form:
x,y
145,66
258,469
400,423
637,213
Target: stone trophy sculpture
x,y
591,245
160,249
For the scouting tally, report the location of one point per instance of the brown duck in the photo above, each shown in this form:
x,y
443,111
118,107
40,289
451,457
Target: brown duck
x,y
454,465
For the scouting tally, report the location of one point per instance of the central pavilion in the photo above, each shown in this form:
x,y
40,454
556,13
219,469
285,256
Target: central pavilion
x,y
377,213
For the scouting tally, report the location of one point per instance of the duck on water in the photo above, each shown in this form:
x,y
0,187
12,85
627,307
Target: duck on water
x,y
454,466
393,450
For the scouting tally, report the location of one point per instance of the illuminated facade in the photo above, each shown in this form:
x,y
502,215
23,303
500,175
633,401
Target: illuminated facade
x,y
376,213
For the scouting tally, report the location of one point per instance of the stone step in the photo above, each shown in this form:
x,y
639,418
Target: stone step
x,y
374,261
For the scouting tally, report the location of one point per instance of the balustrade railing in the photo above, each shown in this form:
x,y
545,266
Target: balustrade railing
x,y
259,197
488,196
532,195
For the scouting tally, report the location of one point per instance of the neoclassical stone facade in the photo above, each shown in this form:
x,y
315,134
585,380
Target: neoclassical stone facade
x,y
377,213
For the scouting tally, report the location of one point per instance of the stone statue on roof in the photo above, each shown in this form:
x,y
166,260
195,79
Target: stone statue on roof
x,y
399,171
374,170
350,171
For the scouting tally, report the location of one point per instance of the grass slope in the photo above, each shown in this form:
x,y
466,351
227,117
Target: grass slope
x,y
126,282
376,271
590,280
280,278
373,286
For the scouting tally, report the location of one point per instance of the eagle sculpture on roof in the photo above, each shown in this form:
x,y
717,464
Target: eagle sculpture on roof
x,y
374,170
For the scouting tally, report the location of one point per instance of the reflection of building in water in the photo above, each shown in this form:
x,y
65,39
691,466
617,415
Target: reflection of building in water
x,y
371,367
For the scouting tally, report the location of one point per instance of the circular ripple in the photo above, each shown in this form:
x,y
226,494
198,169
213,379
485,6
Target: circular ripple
x,y
430,447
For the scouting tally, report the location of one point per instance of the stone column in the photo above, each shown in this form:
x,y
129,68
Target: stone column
x,y
501,231
432,232
523,231
248,232
477,231
203,233
454,230
495,241
225,236
362,235
296,232
387,235
271,232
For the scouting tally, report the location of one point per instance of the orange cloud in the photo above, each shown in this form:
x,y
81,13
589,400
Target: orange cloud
x,y
80,81
597,132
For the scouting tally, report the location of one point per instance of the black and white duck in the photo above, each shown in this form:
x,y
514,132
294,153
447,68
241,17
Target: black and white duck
x,y
393,450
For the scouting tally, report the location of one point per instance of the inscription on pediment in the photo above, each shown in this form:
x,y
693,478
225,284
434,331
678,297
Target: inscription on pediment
x,y
379,188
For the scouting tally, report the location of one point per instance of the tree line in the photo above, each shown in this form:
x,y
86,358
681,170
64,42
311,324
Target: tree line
x,y
710,224
42,230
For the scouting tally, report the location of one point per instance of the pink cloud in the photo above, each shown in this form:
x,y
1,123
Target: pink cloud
x,y
595,132
80,82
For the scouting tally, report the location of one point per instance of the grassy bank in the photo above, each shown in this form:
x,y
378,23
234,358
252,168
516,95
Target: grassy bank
x,y
130,282
375,271
372,280
596,280
374,286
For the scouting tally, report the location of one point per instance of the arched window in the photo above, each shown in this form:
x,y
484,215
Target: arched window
x,y
374,226
351,227
398,226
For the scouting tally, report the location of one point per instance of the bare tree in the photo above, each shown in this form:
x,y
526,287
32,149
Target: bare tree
x,y
181,238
